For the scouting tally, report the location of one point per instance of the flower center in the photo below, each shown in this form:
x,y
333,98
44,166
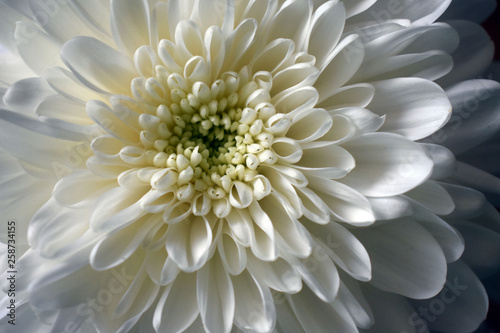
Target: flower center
x,y
208,138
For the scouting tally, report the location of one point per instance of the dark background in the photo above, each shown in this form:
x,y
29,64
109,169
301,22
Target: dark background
x,y
492,325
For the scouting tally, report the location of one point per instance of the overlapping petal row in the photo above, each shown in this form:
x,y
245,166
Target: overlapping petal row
x,y
239,165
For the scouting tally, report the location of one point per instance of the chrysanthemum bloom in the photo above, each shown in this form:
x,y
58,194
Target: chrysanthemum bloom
x,y
213,166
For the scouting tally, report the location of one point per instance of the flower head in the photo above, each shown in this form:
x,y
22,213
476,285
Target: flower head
x,y
252,165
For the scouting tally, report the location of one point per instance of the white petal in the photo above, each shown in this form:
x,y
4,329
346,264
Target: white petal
x,y
274,56
58,107
238,43
345,203
413,107
319,272
263,241
50,233
462,305
352,298
476,105
393,313
420,13
330,162
358,95
98,66
107,118
25,95
482,248
177,308
58,130
341,65
390,208
188,243
317,316
309,125
215,297
69,86
434,197
364,120
290,21
52,16
415,39
117,208
444,161
47,54
468,202
448,237
130,24
358,6
473,55
405,258
469,176
117,247
50,152
345,250
386,164
80,187
278,275
430,65
254,307
327,25
232,253
94,12
290,236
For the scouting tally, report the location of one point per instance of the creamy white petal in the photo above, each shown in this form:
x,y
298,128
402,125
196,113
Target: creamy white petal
x,y
354,301
254,308
401,263
481,248
290,21
423,12
118,246
47,54
473,55
130,24
24,95
109,213
341,65
448,238
97,65
387,164
215,297
188,243
177,308
475,115
317,316
393,313
434,197
413,107
358,95
390,208
54,15
327,25
462,305
469,203
345,203
444,161
345,250
364,120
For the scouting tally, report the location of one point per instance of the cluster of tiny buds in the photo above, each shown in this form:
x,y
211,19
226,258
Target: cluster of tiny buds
x,y
209,137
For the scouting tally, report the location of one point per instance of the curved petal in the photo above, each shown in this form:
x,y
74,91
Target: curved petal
x,y
386,164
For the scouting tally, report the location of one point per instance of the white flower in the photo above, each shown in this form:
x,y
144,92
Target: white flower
x,y
217,166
